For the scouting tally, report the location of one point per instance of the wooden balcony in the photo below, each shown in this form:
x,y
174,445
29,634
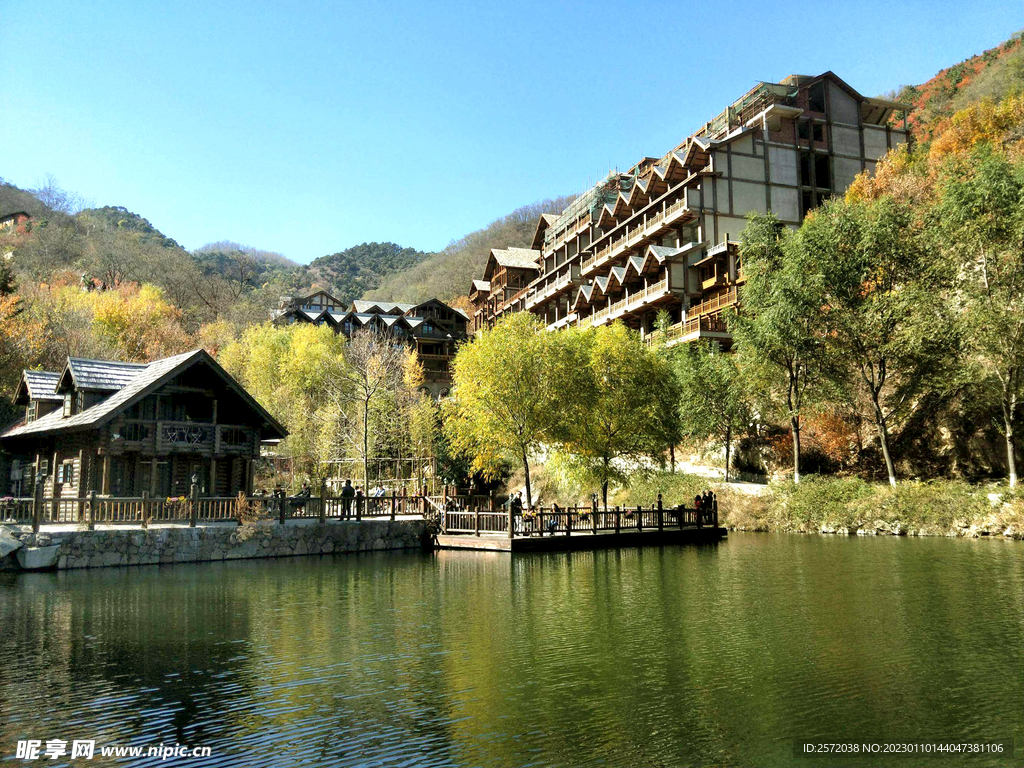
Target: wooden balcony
x,y
162,438
693,329
630,303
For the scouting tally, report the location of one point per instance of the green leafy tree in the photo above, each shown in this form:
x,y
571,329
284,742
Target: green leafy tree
x,y
615,399
884,309
777,331
501,405
713,401
980,217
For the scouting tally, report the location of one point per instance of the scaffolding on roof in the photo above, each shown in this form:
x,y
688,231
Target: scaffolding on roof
x,y
603,193
755,100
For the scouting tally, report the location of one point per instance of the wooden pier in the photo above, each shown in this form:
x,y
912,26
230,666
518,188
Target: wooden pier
x,y
550,529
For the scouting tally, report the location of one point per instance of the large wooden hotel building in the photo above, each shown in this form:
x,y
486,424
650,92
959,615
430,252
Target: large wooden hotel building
x,y
664,234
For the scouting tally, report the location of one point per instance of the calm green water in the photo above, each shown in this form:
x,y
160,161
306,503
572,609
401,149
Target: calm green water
x,y
714,655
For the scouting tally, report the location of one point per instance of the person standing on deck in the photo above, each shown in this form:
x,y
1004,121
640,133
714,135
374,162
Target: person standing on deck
x,y
347,492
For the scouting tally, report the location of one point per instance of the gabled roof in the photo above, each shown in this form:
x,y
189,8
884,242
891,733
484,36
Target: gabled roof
x,y
481,285
521,258
583,296
103,375
147,379
38,385
380,307
511,258
300,300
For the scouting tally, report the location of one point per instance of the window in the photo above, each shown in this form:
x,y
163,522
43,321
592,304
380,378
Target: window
x,y
803,130
67,473
816,97
805,169
79,402
30,411
822,172
819,132
135,432
234,436
67,404
806,202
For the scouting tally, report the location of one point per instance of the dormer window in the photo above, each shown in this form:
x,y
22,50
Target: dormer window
x,y
68,403
30,412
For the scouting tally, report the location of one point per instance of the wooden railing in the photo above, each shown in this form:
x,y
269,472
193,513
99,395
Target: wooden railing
x,y
456,514
695,325
632,301
142,510
481,515
715,303
630,235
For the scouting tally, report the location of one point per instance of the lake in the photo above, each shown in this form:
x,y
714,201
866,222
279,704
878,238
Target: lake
x,y
719,654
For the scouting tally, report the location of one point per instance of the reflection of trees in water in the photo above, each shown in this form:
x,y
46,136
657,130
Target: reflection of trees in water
x,y
709,654
157,651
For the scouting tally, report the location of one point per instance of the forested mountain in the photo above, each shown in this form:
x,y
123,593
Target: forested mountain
x,y
116,216
989,75
447,274
350,273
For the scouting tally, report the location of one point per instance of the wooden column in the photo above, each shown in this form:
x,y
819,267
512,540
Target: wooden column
x,y
152,476
213,467
105,485
661,515
55,505
194,512
37,506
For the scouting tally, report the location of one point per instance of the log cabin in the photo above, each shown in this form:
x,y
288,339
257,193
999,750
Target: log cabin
x,y
124,429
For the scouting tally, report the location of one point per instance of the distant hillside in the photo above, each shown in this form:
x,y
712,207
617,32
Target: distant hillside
x,y
15,200
351,273
447,274
989,75
119,217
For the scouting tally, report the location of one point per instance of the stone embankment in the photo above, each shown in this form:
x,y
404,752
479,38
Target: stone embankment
x,y
21,549
960,529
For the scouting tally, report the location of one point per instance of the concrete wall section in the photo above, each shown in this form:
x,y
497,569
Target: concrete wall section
x,y
845,170
747,197
785,204
846,141
844,107
782,162
875,142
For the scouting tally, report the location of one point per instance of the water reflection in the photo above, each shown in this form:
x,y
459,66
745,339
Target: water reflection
x,y
718,654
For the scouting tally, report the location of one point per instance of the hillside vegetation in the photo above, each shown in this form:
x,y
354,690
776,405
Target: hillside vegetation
x,y
447,274
992,75
351,273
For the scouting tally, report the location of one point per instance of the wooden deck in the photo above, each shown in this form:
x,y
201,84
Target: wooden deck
x,y
559,542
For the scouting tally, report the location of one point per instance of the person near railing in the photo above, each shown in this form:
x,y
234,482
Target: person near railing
x,y
299,499
360,500
347,493
515,509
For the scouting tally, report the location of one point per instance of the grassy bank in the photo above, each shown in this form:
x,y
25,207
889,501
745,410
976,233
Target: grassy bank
x,y
850,506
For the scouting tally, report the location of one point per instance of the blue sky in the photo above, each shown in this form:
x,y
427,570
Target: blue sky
x,y
308,127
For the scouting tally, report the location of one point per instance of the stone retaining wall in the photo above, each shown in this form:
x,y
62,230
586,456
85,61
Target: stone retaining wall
x,y
136,546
